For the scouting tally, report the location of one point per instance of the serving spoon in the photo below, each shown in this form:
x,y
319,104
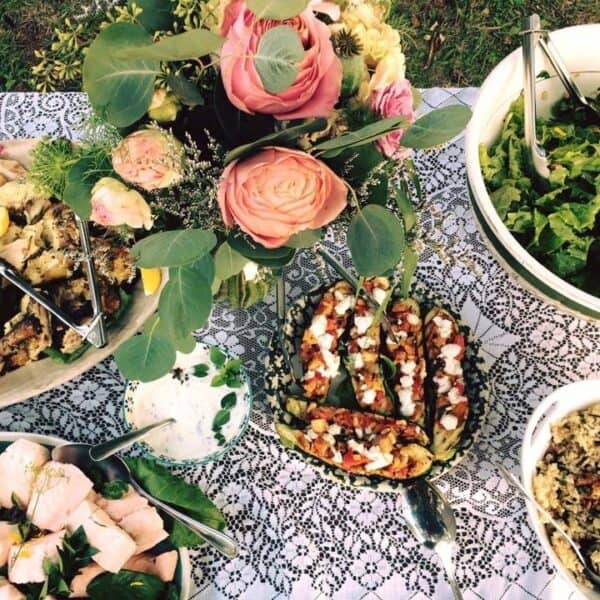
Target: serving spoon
x,y
585,561
431,519
115,468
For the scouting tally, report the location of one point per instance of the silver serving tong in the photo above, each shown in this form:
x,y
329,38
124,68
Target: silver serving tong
x,y
94,331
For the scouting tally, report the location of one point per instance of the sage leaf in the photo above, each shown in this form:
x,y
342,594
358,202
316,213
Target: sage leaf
x,y
228,262
278,55
284,137
376,240
305,239
185,302
278,10
187,92
436,127
173,248
188,45
120,89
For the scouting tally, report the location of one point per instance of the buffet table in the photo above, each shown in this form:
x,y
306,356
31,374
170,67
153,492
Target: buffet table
x,y
303,536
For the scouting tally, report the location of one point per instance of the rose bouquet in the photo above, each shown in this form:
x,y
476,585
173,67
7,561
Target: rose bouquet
x,y
227,136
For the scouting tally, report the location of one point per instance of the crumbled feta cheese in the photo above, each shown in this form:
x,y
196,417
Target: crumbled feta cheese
x,y
337,457
379,295
453,367
408,368
363,323
449,422
319,325
345,304
332,364
356,446
334,429
407,406
309,375
357,360
444,327
325,341
380,463
366,342
359,432
329,439
413,319
250,271
312,435
454,397
442,383
450,350
406,381
368,397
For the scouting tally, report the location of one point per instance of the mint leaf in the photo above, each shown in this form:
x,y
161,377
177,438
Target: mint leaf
x,y
201,370
221,418
229,401
217,357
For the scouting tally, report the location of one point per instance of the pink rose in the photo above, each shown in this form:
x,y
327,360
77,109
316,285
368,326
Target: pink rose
x,y
114,204
279,192
393,100
316,89
149,158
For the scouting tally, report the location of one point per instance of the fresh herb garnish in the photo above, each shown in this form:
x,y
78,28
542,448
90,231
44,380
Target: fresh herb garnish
x,y
229,374
223,416
229,401
201,370
217,357
114,490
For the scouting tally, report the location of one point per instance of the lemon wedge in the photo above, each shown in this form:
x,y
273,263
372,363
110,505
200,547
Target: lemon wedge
x,y
4,220
151,279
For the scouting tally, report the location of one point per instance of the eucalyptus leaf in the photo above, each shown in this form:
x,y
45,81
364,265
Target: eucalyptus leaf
x,y
378,193
228,262
269,257
188,45
305,239
405,206
205,266
284,137
187,92
409,266
436,127
277,10
365,135
277,57
376,240
173,248
120,89
157,15
185,302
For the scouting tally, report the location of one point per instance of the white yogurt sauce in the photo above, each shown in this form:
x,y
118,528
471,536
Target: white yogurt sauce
x,y
193,402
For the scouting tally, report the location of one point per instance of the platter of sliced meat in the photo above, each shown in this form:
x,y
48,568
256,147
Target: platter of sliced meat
x,y
391,388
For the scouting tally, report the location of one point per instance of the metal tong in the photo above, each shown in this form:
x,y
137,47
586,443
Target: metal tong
x,y
94,331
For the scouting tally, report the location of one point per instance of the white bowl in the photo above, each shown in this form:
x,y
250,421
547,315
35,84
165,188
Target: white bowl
x,y
183,572
580,48
561,402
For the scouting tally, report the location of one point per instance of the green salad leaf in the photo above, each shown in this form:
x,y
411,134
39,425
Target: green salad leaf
x,y
130,585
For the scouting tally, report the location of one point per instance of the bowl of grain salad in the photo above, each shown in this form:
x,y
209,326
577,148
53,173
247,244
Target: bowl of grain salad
x,y
560,462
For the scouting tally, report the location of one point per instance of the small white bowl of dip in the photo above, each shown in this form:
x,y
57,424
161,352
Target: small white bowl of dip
x,y
202,432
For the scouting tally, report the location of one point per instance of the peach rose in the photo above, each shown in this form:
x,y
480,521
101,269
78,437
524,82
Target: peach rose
x,y
149,158
316,89
394,100
279,192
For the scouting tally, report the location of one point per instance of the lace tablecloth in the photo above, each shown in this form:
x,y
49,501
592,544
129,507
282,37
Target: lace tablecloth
x,y
303,536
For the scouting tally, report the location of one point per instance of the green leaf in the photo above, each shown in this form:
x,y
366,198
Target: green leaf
x,y
278,10
218,380
364,135
157,15
378,191
173,248
234,366
228,262
409,266
185,302
205,266
145,357
229,401
269,257
161,483
189,45
201,370
376,240
305,239
187,92
120,89
185,345
277,57
406,207
126,584
284,137
115,489
389,367
221,419
217,357
436,127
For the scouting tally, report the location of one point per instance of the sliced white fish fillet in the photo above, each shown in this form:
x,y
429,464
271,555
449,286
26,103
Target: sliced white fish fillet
x,y
9,591
115,547
19,464
123,507
9,536
81,581
162,566
146,527
26,561
59,489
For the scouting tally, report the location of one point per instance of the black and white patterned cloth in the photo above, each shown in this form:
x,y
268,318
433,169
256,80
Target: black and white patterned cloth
x,y
304,537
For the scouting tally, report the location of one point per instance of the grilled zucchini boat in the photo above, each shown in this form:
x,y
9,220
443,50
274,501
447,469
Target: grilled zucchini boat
x,y
445,349
319,348
358,442
363,351
407,353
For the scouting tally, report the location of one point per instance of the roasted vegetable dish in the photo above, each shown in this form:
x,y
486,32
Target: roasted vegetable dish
x,y
40,240
559,226
393,401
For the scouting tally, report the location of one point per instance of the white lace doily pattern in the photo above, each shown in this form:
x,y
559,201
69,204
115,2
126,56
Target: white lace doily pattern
x,y
304,537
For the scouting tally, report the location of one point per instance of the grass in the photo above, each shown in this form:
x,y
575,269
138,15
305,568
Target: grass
x,y
447,42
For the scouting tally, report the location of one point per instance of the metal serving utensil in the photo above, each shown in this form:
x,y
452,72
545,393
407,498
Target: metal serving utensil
x,y
513,481
431,519
94,331
115,468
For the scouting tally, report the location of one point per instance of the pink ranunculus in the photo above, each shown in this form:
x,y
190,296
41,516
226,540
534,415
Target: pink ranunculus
x,y
279,192
394,100
316,89
114,204
149,158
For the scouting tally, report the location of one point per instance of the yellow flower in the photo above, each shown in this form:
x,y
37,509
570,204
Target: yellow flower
x,y
392,67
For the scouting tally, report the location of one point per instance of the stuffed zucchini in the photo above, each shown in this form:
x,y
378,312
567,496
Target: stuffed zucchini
x,y
363,351
358,442
445,349
319,348
406,352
